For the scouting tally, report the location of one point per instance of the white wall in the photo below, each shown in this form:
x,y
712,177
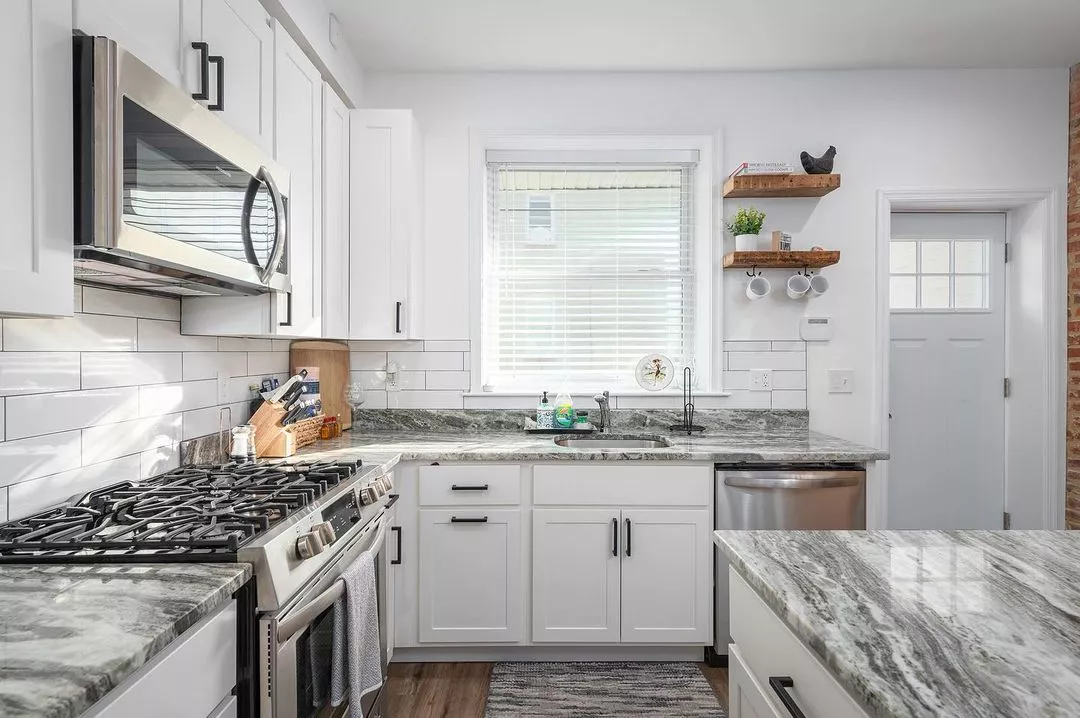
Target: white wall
x,y
108,394
959,129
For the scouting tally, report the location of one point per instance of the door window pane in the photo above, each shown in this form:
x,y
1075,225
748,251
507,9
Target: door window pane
x,y
971,257
937,274
902,258
935,257
970,292
902,292
935,293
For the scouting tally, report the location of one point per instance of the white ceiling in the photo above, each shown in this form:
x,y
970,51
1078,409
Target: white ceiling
x,y
672,35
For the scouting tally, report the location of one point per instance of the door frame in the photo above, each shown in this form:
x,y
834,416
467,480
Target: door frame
x,y
1034,226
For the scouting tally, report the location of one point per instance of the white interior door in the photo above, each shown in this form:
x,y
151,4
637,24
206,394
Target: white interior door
x,y
947,371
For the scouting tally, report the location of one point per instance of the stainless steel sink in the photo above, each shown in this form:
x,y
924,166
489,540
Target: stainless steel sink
x,y
612,442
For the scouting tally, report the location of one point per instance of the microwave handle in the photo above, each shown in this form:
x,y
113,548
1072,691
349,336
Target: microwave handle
x,y
281,225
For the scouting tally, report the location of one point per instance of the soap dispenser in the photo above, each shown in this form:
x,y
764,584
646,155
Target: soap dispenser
x,y
545,413
564,411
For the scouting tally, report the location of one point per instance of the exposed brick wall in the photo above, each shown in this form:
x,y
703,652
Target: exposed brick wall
x,y
1072,491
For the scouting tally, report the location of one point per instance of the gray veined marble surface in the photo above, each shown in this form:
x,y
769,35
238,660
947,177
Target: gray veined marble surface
x,y
929,623
71,633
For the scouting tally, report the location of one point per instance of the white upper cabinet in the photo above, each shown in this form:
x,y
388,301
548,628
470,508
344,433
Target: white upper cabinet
x,y
335,218
153,30
386,226
241,82
36,274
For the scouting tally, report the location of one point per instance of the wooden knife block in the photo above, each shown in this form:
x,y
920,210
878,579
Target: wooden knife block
x,y
276,441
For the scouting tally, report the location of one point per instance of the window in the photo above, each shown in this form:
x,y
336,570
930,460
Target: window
x,y
588,267
939,274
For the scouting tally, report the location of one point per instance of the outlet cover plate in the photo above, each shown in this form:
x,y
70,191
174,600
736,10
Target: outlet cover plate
x,y
760,380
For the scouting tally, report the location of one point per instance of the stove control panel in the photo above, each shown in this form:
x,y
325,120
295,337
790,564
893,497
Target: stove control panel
x,y
339,516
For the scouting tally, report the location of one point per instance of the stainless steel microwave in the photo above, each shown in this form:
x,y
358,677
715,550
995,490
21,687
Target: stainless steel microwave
x,y
169,198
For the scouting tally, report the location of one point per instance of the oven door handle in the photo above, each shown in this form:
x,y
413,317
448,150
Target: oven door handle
x,y
293,624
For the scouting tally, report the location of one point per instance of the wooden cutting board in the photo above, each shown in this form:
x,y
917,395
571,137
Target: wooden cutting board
x,y
332,358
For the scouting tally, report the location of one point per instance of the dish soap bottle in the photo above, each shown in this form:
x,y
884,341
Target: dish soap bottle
x,y
564,411
545,414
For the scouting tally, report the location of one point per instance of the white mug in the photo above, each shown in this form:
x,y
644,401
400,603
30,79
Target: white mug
x,y
797,286
819,285
758,287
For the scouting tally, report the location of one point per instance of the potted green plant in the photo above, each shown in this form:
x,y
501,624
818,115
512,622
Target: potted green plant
x,y
746,226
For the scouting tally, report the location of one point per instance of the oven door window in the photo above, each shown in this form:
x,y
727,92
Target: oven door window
x,y
175,187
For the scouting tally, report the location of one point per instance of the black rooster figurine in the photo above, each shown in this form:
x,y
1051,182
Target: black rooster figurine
x,y
818,165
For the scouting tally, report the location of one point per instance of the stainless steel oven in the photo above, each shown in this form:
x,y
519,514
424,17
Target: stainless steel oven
x,y
296,640
168,197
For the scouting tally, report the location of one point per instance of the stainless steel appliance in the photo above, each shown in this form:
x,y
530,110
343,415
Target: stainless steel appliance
x,y
792,497
169,198
299,524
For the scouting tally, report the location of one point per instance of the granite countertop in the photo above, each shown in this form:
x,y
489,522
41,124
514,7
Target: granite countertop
x,y
750,446
71,633
929,623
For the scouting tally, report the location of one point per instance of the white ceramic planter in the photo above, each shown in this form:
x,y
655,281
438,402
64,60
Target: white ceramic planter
x,y
746,242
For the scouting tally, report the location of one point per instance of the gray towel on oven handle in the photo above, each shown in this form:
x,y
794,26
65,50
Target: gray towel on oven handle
x,y
357,645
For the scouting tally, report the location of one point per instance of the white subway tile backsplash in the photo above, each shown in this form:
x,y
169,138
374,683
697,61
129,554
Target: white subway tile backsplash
x,y
82,332
31,496
367,361
736,380
129,369
411,380
38,372
448,380
207,365
280,345
766,360
157,461
789,346
369,379
37,414
789,380
442,345
788,399
101,443
124,304
267,363
737,345
375,399
405,345
156,335
25,459
424,361
240,344
158,399
424,400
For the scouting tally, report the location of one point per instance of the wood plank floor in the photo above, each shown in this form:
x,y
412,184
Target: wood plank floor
x,y
459,690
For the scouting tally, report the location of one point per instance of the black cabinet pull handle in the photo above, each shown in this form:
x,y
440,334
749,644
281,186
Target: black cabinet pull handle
x,y
288,311
204,71
218,60
397,318
481,487
628,537
456,520
614,537
393,499
780,684
397,530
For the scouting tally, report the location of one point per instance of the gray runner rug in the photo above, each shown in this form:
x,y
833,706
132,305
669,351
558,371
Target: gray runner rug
x,y
600,690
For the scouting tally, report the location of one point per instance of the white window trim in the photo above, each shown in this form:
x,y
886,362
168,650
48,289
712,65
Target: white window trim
x,y
708,313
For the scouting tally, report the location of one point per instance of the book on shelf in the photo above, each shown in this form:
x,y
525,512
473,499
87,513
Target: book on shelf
x,y
762,168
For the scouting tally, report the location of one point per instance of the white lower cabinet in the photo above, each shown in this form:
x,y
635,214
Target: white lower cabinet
x,y
746,697
471,576
576,569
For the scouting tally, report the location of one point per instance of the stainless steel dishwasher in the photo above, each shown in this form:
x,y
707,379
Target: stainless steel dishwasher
x,y
782,497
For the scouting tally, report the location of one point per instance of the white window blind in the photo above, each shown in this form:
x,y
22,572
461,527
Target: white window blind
x,y
587,269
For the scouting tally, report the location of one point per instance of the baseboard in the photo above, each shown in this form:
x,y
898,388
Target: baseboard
x,y
560,654
714,659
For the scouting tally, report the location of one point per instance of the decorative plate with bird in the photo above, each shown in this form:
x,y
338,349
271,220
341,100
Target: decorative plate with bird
x,y
654,372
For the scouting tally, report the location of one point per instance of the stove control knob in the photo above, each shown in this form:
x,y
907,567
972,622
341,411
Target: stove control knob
x,y
380,490
388,482
368,496
309,544
326,532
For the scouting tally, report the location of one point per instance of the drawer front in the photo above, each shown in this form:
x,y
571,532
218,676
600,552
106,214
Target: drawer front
x,y
623,484
189,679
470,485
768,648
746,697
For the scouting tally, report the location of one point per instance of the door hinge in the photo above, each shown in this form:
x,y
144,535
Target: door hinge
x,y
1006,520
1008,251
1007,387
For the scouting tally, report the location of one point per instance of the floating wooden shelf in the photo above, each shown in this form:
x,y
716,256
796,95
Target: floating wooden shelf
x,y
780,185
780,260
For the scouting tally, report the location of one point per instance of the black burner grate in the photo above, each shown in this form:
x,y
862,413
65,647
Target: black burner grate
x,y
194,513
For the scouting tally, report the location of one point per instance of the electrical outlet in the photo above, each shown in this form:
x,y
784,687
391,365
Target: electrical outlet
x,y
841,381
760,380
222,387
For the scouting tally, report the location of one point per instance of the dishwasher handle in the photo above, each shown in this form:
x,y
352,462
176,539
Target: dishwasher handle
x,y
793,479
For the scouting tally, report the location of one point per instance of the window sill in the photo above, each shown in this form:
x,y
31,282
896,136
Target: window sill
x,y
615,393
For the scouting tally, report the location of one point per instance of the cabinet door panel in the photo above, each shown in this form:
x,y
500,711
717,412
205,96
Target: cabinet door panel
x,y
152,30
470,577
575,595
746,697
240,31
335,216
36,274
667,576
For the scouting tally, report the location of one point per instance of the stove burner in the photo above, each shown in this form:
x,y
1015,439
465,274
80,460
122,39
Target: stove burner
x,y
194,513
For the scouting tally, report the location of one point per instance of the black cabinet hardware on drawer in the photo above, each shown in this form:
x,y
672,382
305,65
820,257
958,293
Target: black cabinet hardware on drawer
x,y
204,71
456,520
780,684
218,60
480,487
628,537
397,530
614,537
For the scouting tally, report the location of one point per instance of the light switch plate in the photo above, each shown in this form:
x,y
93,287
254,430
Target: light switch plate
x,y
222,387
841,381
760,380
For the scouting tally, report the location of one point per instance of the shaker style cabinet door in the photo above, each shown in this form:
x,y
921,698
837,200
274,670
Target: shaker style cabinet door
x,y
471,576
36,274
335,220
667,576
576,558
158,32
